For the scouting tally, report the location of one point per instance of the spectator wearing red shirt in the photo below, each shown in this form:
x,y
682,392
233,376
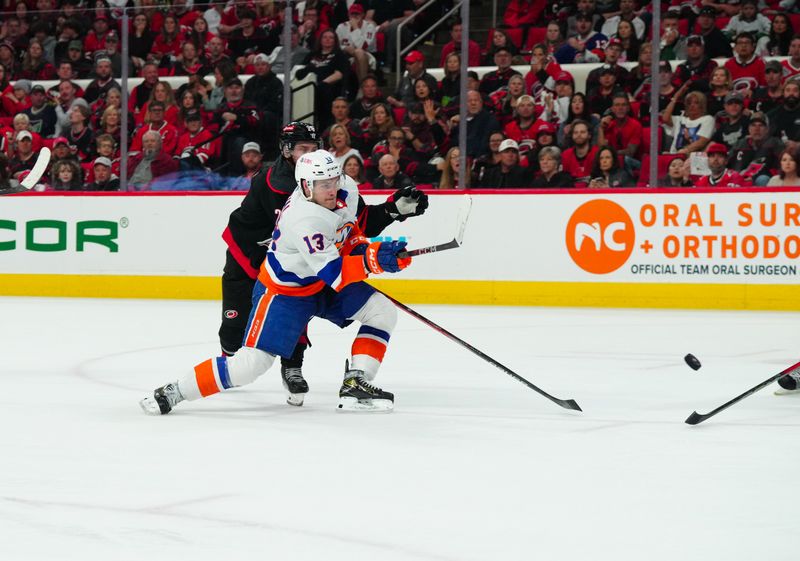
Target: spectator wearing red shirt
x,y
746,67
185,16
168,41
523,13
578,160
621,131
522,129
720,175
96,38
454,45
168,133
543,69
193,141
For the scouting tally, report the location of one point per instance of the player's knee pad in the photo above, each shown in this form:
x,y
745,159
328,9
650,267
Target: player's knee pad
x,y
248,364
378,312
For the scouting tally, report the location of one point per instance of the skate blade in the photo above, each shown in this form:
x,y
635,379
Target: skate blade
x,y
353,405
150,406
295,399
782,392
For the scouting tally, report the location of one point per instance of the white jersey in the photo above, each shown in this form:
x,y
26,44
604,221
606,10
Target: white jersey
x,y
304,253
364,37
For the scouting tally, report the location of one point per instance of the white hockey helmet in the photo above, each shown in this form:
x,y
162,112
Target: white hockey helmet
x,y
314,166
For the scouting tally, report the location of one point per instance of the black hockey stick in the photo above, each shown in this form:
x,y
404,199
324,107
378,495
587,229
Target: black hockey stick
x,y
565,403
696,418
458,239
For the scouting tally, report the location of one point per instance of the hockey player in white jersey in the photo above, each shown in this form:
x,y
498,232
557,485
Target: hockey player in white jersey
x,y
315,266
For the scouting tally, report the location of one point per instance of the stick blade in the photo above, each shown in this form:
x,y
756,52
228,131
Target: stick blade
x,y
462,217
42,161
570,404
695,418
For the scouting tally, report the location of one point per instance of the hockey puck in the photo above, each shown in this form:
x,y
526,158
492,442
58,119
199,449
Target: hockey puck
x,y
692,361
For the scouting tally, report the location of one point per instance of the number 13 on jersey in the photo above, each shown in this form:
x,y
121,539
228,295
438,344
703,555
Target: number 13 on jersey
x,y
315,243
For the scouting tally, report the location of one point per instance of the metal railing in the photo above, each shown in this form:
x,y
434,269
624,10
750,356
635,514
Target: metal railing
x,y
400,51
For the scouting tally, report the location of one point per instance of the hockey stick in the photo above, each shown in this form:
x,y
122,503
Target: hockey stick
x,y
458,239
565,403
38,169
696,418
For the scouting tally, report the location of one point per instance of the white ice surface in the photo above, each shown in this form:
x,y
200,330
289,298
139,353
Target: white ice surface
x,y
471,465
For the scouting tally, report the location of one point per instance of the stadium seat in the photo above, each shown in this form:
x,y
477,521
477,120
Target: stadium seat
x,y
535,35
644,173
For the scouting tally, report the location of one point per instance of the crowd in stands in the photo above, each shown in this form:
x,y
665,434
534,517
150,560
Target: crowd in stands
x,y
731,123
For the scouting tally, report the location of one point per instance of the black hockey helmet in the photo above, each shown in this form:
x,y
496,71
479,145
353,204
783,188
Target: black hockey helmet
x,y
297,131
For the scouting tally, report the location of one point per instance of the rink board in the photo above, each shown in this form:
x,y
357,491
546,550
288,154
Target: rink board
x,y
732,249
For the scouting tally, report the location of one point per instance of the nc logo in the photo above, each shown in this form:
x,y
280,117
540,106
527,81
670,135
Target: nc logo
x,y
600,236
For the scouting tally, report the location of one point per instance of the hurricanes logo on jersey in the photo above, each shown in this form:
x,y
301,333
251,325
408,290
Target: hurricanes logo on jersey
x,y
600,236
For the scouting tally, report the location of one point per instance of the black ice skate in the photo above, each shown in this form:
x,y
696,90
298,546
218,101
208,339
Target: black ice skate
x,y
789,384
163,400
359,395
295,385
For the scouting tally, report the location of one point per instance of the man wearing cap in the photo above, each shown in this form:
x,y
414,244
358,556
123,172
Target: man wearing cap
x,y
697,67
600,98
746,67
585,45
104,180
112,51
521,128
716,44
732,124
509,174
242,121
613,51
41,114
193,143
720,175
496,79
454,45
251,162
167,131
61,151
627,12
358,40
103,82
766,98
23,157
757,156
583,6
785,119
80,64
96,38
415,70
